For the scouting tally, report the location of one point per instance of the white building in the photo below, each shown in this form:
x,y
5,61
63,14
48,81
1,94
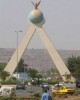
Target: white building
x,y
20,76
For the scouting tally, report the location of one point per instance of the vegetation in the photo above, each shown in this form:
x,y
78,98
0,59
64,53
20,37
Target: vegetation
x,y
38,76
52,71
4,75
32,72
17,98
36,95
67,77
2,66
21,66
73,64
7,82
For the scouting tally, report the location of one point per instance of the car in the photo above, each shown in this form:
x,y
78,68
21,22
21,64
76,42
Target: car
x,y
45,86
70,84
59,84
20,86
64,90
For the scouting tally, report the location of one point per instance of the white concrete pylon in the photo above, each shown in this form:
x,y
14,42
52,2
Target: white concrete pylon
x,y
12,64
62,68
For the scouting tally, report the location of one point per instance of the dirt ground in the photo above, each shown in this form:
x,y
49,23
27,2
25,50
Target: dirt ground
x,y
68,98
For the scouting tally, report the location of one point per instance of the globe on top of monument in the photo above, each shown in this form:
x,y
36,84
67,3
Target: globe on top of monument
x,y
36,16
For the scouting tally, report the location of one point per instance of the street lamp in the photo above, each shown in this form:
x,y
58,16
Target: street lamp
x,y
17,50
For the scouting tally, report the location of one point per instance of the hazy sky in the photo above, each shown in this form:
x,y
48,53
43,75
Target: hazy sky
x,y
62,23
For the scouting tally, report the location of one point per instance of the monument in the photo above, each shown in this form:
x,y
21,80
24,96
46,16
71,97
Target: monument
x,y
36,20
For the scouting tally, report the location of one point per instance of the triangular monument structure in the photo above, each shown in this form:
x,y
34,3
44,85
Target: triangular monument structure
x,y
36,20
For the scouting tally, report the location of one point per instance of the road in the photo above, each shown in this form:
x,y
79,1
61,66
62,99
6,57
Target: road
x,y
29,90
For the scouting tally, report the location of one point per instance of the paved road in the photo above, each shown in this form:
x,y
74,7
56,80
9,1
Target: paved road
x,y
29,90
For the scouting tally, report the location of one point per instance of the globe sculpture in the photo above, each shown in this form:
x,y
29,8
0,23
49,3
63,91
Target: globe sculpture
x,y
36,16
37,19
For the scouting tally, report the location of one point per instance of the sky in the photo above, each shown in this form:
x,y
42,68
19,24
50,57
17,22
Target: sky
x,y
62,23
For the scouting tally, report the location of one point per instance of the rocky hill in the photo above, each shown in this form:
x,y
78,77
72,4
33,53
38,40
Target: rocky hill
x,y
37,58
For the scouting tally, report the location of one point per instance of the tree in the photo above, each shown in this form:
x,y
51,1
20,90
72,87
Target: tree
x,y
32,72
76,73
38,75
73,64
21,66
2,66
67,76
52,73
4,75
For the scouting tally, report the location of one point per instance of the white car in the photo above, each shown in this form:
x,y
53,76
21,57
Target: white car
x,y
45,86
59,84
70,84
56,85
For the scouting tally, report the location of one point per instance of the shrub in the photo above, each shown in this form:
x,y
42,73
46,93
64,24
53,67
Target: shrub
x,y
78,90
37,94
49,81
8,82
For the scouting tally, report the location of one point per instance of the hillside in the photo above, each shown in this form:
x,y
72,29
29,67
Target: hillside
x,y
37,58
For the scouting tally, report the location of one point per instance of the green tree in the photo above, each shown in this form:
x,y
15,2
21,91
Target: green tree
x,y
67,77
52,73
4,75
2,66
21,66
32,72
76,73
38,76
73,64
